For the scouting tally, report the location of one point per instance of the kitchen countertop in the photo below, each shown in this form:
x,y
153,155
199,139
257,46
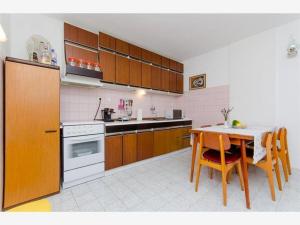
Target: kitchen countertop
x,y
146,121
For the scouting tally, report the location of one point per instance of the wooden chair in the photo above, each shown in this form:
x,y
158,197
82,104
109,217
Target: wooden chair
x,y
283,153
269,162
218,158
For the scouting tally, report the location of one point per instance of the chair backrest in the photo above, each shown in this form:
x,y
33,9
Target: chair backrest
x,y
214,141
267,139
282,137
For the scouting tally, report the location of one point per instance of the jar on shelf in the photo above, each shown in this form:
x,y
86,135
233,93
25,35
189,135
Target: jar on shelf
x,y
72,61
97,67
82,63
90,65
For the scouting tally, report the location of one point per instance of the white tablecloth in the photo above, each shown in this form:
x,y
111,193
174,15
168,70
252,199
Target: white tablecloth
x,y
255,131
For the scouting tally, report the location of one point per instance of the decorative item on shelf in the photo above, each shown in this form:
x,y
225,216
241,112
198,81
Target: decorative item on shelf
x,y
38,49
3,37
82,63
90,65
293,47
225,112
72,61
198,82
97,67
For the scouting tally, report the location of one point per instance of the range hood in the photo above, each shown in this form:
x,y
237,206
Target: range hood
x,y
82,77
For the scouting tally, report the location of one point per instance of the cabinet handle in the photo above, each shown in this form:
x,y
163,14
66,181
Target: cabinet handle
x,y
50,131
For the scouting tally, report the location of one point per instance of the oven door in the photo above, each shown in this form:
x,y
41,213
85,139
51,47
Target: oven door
x,y
83,151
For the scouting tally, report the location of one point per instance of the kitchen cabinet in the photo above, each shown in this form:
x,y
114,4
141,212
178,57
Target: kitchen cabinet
x,y
80,36
155,78
81,53
113,151
165,62
173,65
179,67
107,41
146,75
135,70
108,65
135,51
179,83
172,81
129,148
156,59
147,56
165,80
186,137
144,145
31,153
175,138
161,142
122,47
122,70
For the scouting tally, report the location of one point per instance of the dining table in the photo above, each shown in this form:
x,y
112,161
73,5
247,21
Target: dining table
x,y
239,137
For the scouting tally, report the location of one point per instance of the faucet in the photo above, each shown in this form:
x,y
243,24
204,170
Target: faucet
x,y
152,109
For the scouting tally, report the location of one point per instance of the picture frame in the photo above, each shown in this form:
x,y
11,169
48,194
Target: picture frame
x,y
197,81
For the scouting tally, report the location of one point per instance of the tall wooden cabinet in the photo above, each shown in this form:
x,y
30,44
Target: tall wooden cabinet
x,y
31,131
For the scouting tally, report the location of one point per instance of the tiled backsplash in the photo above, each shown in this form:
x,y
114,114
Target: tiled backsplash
x,y
202,106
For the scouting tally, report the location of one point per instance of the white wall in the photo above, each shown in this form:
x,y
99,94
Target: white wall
x,y
264,83
3,50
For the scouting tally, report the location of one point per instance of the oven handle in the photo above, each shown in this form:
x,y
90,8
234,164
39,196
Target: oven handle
x,y
84,138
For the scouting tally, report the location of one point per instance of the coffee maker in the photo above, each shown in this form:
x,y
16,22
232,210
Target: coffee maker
x,y
106,114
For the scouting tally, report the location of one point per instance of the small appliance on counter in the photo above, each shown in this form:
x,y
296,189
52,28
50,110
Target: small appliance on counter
x,y
173,114
125,109
106,114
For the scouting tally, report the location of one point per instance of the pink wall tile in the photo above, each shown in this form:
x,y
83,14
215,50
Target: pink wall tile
x,y
202,106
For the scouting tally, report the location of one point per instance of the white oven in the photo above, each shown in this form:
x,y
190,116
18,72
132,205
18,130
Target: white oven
x,y
83,152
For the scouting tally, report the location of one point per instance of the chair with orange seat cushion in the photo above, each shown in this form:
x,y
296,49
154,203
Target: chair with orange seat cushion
x,y
283,153
218,157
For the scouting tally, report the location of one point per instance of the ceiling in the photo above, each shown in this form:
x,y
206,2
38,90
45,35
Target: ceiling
x,y
179,36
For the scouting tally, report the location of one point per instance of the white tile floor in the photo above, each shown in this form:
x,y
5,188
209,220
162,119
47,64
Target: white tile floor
x,y
163,185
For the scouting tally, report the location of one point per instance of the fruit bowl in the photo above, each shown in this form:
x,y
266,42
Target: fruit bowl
x,y
238,125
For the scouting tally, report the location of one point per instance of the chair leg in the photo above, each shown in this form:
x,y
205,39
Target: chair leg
x,y
229,176
210,172
224,186
239,170
271,181
198,177
288,163
284,166
278,175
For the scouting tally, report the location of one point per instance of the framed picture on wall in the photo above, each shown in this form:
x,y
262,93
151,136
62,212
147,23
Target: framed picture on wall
x,y
198,82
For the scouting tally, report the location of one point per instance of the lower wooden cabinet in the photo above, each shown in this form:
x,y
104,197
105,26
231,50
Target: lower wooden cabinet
x,y
129,148
113,151
161,142
144,145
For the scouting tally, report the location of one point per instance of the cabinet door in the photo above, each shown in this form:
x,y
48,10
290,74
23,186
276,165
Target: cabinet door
x,y
135,52
32,153
165,62
146,75
135,73
122,47
145,145
107,41
108,65
155,78
180,67
156,59
147,56
122,70
161,142
165,80
179,83
173,81
173,65
129,148
186,137
113,152
70,33
175,137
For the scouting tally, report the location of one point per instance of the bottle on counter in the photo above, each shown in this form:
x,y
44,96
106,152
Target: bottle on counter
x,y
45,53
53,57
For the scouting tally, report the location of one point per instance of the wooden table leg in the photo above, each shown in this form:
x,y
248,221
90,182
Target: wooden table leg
x,y
195,141
245,172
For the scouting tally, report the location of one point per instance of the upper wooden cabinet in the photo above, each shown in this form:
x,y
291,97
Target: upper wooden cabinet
x,y
165,62
147,56
165,80
113,151
122,70
179,67
173,65
80,53
144,145
172,81
122,47
156,59
108,65
80,36
146,75
107,41
135,70
135,51
179,83
155,78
